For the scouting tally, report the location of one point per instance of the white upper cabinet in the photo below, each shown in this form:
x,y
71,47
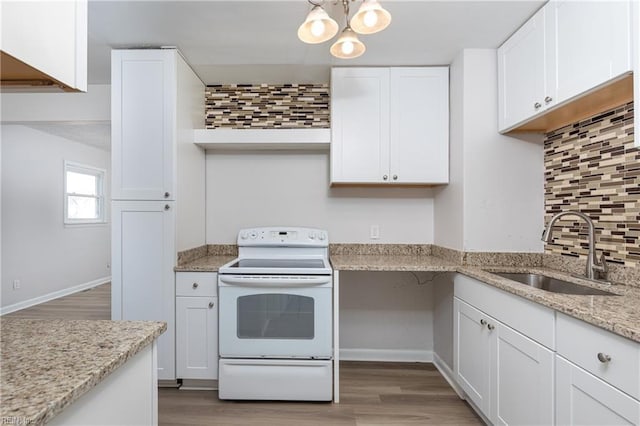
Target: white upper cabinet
x,y
591,42
390,125
44,45
143,124
419,126
359,125
521,72
564,52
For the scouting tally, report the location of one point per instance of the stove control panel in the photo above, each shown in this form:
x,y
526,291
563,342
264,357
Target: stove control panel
x,y
283,236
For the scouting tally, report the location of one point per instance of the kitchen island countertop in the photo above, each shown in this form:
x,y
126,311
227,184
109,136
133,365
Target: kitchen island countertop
x,y
49,364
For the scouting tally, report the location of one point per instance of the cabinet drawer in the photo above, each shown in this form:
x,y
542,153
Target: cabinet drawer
x,y
196,284
529,318
581,343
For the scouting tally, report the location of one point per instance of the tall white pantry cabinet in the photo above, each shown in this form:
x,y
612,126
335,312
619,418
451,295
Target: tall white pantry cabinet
x,y
157,185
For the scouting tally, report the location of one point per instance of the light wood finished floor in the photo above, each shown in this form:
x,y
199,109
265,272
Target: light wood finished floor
x,y
372,393
93,304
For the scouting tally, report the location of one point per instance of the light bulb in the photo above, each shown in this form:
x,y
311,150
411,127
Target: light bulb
x,y
370,18
347,47
317,28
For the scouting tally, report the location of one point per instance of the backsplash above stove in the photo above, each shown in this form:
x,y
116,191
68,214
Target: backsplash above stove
x,y
265,106
593,167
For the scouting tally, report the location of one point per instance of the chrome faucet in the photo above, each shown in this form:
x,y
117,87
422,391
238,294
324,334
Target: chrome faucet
x,y
594,267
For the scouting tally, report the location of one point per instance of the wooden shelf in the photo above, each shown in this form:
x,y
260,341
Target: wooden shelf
x,y
263,139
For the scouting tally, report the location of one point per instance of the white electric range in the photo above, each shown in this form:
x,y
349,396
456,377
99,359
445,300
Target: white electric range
x,y
275,324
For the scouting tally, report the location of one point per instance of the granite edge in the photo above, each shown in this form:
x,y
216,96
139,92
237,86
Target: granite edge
x,y
56,406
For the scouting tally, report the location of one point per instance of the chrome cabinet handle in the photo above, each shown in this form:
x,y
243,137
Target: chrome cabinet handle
x,y
537,105
483,322
194,286
210,305
491,326
167,206
395,177
166,195
385,177
603,358
548,99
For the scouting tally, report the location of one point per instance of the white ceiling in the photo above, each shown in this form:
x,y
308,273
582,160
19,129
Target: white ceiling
x,y
243,41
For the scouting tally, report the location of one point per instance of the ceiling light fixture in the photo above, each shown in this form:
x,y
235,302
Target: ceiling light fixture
x,y
318,27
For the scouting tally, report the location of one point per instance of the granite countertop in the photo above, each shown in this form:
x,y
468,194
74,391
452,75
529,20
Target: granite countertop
x,y
209,263
391,262
48,364
618,314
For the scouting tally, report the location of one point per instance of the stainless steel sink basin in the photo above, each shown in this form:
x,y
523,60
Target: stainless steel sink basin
x,y
553,285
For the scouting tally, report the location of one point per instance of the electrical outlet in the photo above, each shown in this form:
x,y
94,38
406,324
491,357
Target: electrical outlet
x,y
375,232
16,284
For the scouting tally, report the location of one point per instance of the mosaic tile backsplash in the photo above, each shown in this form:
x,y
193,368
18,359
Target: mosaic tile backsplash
x,y
593,167
265,106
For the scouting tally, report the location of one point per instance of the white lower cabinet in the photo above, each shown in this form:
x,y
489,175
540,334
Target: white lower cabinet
x,y
472,348
142,279
196,326
520,363
583,399
506,375
523,380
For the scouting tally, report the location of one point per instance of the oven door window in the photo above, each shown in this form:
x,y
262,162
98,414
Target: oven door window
x,y
276,316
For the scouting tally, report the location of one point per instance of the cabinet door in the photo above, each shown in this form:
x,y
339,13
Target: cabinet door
x,y
592,43
142,279
359,125
521,73
472,354
197,338
523,383
583,399
419,125
143,117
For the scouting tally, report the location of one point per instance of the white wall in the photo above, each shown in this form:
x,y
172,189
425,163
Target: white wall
x,y
190,213
448,210
502,177
386,316
94,105
37,248
280,188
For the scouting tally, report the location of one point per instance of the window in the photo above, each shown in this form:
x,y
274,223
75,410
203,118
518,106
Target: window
x,y
83,194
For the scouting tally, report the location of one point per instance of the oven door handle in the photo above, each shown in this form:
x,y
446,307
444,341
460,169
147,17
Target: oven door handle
x,y
274,282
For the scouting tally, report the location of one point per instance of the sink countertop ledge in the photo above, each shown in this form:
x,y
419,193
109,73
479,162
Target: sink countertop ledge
x,y
49,364
618,314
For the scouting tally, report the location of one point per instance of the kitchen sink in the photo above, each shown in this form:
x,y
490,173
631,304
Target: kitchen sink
x,y
553,285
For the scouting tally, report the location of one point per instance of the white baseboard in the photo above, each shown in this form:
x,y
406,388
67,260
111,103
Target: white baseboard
x,y
50,296
386,355
448,375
